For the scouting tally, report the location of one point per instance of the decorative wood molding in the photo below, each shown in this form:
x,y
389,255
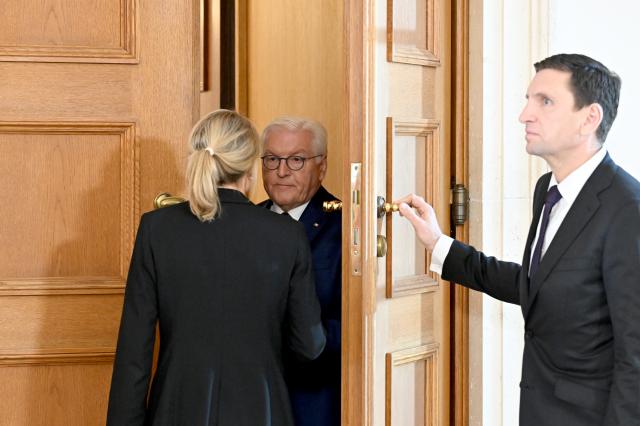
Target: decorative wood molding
x,y
358,291
430,129
129,202
58,357
427,55
241,39
62,286
125,52
460,118
428,354
414,284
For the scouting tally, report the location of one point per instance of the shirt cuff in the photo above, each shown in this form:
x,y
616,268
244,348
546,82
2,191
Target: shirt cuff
x,y
439,253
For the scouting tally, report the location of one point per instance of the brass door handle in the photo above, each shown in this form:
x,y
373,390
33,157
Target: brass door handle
x,y
165,200
386,208
381,246
382,206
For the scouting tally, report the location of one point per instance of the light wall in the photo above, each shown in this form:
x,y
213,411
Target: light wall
x,y
608,32
514,35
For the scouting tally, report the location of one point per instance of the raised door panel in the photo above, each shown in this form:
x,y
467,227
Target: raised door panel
x,y
69,31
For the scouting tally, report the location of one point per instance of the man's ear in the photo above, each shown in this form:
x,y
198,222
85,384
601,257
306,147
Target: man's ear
x,y
592,120
323,167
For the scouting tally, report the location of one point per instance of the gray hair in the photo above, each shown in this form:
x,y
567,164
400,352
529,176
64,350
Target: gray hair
x,y
296,124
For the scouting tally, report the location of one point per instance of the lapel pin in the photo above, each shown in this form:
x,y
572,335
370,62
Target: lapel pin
x,y
315,225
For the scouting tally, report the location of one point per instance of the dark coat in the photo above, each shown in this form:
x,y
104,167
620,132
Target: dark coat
x,y
314,386
228,296
581,364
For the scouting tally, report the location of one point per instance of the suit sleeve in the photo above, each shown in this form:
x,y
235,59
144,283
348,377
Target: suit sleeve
x,y
471,268
132,366
621,272
306,334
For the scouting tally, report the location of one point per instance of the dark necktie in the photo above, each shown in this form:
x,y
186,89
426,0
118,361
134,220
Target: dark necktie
x,y
553,196
285,214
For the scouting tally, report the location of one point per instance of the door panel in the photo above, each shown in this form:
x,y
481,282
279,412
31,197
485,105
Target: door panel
x,y
410,316
96,104
295,66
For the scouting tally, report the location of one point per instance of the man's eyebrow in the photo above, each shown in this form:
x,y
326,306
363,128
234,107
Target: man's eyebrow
x,y
538,95
295,154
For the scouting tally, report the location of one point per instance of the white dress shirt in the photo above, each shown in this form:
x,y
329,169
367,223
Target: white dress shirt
x,y
295,212
569,188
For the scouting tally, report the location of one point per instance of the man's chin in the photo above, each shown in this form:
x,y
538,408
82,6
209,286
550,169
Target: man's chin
x,y
282,202
531,148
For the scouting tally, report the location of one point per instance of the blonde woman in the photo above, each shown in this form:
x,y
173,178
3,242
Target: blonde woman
x,y
229,284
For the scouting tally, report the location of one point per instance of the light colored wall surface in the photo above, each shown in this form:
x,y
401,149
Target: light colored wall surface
x,y
502,204
609,33
515,34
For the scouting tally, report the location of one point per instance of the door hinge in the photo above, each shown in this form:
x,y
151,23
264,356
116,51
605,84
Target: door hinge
x,y
459,204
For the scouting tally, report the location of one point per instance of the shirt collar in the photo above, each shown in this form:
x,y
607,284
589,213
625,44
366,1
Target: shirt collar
x,y
571,186
295,212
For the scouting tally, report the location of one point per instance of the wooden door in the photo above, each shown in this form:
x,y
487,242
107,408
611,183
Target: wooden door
x,y
397,346
96,102
292,63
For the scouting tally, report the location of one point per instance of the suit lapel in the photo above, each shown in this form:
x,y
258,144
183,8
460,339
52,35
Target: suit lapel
x,y
581,212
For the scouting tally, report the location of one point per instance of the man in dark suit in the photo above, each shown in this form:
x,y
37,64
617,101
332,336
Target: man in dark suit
x,y
579,283
294,163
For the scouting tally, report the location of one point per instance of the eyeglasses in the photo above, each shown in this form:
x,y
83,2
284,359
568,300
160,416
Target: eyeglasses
x,y
295,162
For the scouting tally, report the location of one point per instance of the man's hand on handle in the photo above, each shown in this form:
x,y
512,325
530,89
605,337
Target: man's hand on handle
x,y
423,219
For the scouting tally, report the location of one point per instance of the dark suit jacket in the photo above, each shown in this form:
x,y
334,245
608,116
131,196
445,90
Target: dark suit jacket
x,y
226,303
581,364
315,386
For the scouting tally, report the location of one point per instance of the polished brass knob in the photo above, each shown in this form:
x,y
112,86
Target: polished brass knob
x,y
165,200
332,206
385,208
381,246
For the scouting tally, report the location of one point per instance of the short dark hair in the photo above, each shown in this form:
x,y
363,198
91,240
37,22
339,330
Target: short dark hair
x,y
591,82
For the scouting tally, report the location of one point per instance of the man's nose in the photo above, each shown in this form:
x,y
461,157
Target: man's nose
x,y
525,115
282,169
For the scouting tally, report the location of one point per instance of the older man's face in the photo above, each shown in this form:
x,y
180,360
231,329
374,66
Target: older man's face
x,y
292,188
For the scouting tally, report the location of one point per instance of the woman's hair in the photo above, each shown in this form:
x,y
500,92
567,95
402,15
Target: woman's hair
x,y
224,147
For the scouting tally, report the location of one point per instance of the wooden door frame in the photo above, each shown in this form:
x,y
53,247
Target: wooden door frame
x,y
358,291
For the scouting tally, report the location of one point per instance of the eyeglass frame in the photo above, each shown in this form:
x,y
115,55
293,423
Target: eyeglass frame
x,y
286,161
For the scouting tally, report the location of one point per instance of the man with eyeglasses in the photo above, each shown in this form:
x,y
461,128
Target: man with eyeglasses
x,y
294,162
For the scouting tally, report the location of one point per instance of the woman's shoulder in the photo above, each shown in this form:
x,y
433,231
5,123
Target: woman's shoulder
x,y
169,214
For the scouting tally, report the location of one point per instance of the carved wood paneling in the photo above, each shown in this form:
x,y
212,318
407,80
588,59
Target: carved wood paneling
x,y
85,356
414,321
53,228
55,325
53,395
424,381
425,131
413,32
69,31
64,285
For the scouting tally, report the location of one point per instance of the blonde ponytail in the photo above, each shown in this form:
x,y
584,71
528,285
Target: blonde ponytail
x,y
224,148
